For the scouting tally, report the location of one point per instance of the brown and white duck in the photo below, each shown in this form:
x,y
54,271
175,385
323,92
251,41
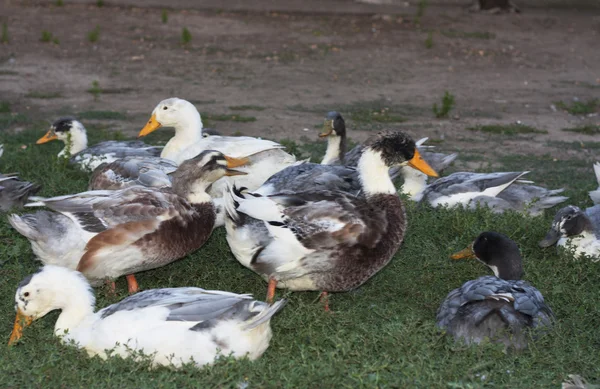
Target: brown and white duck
x,y
107,234
325,240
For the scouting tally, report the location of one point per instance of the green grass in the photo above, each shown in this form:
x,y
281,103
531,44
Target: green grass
x,y
4,38
164,16
95,90
589,129
43,95
447,106
4,107
59,3
100,3
94,35
429,40
101,115
580,107
208,117
507,129
247,108
186,36
380,335
48,37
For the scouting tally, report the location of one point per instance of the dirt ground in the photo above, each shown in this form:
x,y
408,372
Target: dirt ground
x,y
293,67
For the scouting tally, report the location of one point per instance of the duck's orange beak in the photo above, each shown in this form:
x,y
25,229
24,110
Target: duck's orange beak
x,y
417,162
327,129
235,162
151,126
21,321
466,253
50,135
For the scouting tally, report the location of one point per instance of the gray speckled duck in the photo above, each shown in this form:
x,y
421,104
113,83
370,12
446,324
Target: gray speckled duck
x,y
325,240
500,308
107,234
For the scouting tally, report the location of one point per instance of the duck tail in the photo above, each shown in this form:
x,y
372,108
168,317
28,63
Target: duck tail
x,y
26,225
597,172
231,201
265,315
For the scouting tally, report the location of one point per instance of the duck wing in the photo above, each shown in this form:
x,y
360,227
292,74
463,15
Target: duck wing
x,y
312,177
131,171
233,146
15,192
201,308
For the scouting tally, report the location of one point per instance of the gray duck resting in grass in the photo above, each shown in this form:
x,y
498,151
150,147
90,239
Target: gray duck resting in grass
x,y
501,308
14,192
107,234
74,135
172,326
577,229
324,240
500,191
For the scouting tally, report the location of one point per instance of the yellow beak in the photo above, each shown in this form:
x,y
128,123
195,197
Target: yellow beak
x,y
235,162
417,162
327,129
151,126
50,135
466,253
21,321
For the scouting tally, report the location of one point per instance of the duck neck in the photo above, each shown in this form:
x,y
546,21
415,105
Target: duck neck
x,y
336,150
195,192
188,131
373,173
415,183
76,304
76,140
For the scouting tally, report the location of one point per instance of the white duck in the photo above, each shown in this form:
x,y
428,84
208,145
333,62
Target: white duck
x,y
73,134
172,326
595,194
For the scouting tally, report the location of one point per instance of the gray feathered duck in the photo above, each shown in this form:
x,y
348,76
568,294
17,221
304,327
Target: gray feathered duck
x,y
501,308
500,191
107,234
172,326
152,172
575,228
329,241
15,192
74,135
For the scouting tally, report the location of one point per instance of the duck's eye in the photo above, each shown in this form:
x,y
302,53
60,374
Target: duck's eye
x,y
569,217
26,294
165,108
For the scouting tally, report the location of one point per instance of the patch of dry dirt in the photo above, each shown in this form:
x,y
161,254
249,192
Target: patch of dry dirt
x,y
297,66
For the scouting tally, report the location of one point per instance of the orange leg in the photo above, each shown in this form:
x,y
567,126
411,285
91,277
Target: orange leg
x,y
132,285
325,300
271,290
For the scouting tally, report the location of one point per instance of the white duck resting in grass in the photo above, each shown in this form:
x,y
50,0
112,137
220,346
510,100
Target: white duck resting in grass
x,y
500,191
501,308
73,134
576,229
171,326
107,234
324,240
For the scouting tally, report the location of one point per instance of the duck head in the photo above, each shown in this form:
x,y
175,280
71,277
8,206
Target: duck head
x,y
498,252
68,130
569,221
173,112
194,176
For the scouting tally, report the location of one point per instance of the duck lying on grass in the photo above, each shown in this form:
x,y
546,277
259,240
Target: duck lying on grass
x,y
324,240
576,229
172,326
501,307
107,234
73,134
500,191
